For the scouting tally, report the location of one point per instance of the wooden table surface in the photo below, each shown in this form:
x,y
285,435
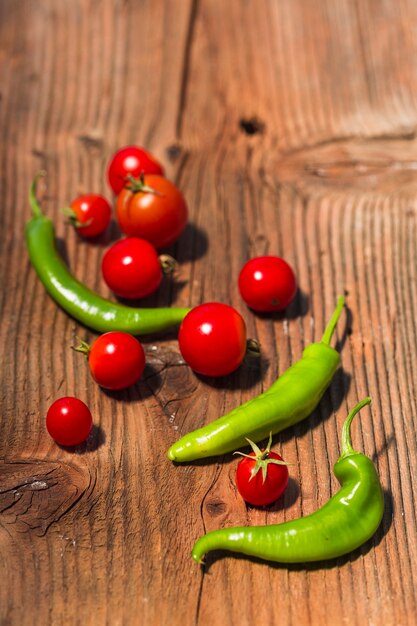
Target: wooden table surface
x,y
291,127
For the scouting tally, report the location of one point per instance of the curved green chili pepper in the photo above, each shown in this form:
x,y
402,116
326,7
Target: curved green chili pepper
x,y
289,400
343,524
75,298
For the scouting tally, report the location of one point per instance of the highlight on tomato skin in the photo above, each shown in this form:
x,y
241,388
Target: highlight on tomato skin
x,y
267,284
134,161
212,339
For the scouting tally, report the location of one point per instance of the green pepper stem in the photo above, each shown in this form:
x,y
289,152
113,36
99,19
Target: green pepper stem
x,y
329,330
33,201
346,439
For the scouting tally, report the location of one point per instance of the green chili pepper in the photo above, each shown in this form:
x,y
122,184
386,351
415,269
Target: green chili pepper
x,y
343,524
75,298
289,400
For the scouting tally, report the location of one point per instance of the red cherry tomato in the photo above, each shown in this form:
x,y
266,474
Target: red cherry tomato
x,y
212,339
159,215
116,360
267,283
260,481
69,421
131,268
131,160
91,214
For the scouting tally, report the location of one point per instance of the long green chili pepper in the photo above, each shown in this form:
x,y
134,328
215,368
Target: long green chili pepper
x,y
343,524
291,398
75,298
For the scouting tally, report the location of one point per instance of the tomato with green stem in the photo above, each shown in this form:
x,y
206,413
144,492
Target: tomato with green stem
x,y
116,359
153,208
262,475
134,161
132,268
90,214
69,421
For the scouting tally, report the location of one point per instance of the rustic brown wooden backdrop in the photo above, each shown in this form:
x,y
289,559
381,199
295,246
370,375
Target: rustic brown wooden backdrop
x,y
291,127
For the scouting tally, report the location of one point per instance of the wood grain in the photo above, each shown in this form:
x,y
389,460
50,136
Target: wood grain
x,y
291,128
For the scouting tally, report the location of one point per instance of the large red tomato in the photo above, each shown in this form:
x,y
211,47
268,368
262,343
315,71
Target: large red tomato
x,y
152,208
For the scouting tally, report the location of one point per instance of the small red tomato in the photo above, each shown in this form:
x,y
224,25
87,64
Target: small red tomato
x,y
116,359
262,476
132,268
69,421
212,339
153,208
134,161
267,283
90,214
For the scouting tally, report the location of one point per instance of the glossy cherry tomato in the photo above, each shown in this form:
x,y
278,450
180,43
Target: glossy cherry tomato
x,y
69,421
116,359
259,478
131,160
90,214
132,268
212,339
152,208
267,283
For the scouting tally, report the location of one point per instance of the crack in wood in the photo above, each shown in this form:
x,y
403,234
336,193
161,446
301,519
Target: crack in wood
x,y
186,66
34,500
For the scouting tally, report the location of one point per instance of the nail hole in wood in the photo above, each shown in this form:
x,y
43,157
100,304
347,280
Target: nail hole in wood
x,y
215,507
174,151
251,125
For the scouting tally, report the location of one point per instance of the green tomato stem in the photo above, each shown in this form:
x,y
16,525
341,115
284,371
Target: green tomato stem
x,y
84,348
137,185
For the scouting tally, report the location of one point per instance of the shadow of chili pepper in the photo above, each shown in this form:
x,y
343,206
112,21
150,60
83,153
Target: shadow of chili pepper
x,y
347,331
388,443
61,246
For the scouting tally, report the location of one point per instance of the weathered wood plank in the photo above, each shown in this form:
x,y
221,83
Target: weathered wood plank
x,y
291,128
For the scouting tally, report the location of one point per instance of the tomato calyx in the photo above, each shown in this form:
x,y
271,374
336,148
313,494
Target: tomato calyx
x,y
73,220
168,264
138,185
253,349
261,458
84,348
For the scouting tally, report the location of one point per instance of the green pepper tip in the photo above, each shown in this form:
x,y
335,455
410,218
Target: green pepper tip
x,y
33,201
171,454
